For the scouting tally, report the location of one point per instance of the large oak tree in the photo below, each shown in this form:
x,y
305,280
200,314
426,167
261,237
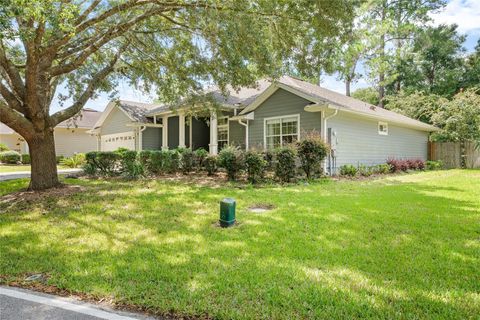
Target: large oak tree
x,y
88,46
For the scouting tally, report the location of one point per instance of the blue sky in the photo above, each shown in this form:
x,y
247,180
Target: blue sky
x,y
465,13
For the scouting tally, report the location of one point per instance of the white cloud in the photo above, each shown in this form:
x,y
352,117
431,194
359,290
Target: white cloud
x,y
464,13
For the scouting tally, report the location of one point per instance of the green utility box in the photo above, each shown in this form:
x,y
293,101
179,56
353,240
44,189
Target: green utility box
x,y
227,212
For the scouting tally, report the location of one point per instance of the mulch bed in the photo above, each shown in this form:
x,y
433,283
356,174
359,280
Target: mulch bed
x,y
34,196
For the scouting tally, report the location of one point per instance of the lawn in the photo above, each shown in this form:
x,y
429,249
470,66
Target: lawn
x,y
4,168
405,247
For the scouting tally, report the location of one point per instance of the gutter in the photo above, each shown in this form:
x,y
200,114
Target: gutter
x,y
246,132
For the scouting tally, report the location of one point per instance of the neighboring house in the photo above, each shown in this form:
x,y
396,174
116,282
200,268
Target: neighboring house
x,y
71,136
266,117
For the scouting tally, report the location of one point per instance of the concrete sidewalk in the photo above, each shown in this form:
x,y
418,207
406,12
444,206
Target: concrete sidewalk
x,y
26,174
24,304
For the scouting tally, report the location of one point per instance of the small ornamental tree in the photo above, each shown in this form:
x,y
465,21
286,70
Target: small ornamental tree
x,y
311,152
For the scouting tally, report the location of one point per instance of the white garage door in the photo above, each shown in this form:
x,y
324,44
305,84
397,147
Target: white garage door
x,y
111,142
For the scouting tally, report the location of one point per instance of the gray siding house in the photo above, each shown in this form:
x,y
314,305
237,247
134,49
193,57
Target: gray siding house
x,y
265,117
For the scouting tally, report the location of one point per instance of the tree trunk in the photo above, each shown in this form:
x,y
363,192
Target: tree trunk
x,y
44,164
347,87
381,76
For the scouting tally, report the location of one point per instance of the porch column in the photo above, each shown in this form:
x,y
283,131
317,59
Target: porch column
x,y
165,133
213,146
181,130
190,132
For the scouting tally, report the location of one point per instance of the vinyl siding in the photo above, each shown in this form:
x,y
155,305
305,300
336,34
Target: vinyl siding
x,y
236,134
71,141
173,132
14,142
152,139
116,122
281,103
358,142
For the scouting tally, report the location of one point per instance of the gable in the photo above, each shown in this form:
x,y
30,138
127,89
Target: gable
x,y
115,122
281,102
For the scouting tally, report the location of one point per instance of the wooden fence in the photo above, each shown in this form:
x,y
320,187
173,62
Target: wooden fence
x,y
451,154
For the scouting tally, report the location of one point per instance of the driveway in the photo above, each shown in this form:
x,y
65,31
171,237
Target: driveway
x,y
26,174
28,305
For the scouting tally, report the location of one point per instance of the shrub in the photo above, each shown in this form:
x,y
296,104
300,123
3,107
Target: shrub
x,y
382,168
210,164
130,165
10,157
411,164
75,161
285,163
420,164
231,159
156,162
59,159
105,162
187,160
173,161
434,165
365,171
26,158
311,152
3,147
200,156
255,165
269,157
144,158
348,170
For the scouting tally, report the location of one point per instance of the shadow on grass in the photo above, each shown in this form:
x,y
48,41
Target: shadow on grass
x,y
333,250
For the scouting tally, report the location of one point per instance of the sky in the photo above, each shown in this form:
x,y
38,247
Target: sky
x,y
464,13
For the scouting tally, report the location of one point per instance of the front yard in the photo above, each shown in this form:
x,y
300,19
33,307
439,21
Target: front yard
x,y
405,246
6,168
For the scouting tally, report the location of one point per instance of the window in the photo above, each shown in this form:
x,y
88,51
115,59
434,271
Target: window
x,y
281,131
222,132
383,128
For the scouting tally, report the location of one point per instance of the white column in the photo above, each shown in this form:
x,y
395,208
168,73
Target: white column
x,y
190,132
165,133
181,130
213,146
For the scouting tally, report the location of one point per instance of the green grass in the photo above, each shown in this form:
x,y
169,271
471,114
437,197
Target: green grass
x,y
4,168
398,247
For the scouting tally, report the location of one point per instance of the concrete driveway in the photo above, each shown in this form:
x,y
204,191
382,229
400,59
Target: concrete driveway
x,y
28,305
26,174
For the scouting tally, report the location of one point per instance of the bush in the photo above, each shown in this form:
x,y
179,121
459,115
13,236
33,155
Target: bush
x,y
255,165
75,161
144,158
200,156
420,164
269,157
173,163
130,165
434,165
3,147
348,170
311,152
10,157
59,159
231,159
156,162
285,163
382,168
210,164
105,162
364,171
397,165
187,161
26,158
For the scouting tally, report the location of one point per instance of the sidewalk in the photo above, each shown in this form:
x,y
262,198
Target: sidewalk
x,y
26,174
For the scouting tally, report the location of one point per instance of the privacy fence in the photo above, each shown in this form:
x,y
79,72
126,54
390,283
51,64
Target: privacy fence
x,y
455,154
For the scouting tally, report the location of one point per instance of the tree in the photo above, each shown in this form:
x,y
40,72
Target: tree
x,y
471,76
173,47
368,95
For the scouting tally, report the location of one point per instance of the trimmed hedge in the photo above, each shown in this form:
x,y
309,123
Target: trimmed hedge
x,y
255,166
232,159
10,157
285,168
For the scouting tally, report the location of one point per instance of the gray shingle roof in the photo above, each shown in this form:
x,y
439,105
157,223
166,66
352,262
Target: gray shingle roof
x,y
87,119
138,111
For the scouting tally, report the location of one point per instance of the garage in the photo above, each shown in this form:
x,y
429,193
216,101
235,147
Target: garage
x,y
111,142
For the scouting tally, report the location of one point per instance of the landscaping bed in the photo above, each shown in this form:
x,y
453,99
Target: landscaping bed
x,y
404,246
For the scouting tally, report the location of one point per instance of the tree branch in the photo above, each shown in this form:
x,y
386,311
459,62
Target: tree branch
x,y
12,72
10,98
15,120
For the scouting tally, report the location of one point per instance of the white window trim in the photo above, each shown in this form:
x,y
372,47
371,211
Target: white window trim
x,y
385,124
227,125
275,118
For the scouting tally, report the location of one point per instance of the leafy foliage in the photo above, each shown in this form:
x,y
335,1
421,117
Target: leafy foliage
x,y
188,160
348,170
285,167
211,164
255,165
311,152
232,160
26,158
3,147
75,161
10,157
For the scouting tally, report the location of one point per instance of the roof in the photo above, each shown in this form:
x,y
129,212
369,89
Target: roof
x,y
87,119
138,111
318,94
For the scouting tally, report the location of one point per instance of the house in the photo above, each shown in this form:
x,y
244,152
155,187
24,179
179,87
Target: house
x,y
268,116
71,136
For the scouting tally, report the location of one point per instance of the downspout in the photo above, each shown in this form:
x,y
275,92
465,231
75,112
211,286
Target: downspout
x,y
246,132
140,137
325,138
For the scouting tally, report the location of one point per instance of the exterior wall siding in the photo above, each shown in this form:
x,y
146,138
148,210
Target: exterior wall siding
x,y
173,132
116,122
71,141
152,139
358,142
236,134
282,103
